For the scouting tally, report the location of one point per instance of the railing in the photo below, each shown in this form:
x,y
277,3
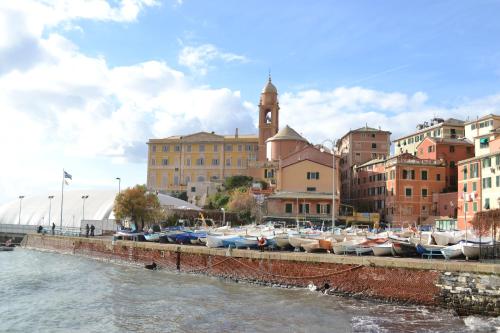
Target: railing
x,y
33,229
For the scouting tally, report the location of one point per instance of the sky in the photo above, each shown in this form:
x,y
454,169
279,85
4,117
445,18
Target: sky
x,y
85,84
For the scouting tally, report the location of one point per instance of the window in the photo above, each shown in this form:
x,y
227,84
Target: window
x,y
188,162
164,148
311,189
216,148
373,136
240,147
304,208
465,172
438,177
200,178
474,206
153,148
474,186
497,160
248,147
474,168
487,203
498,181
452,149
452,164
153,161
408,192
487,182
465,187
429,149
228,162
424,174
424,193
408,174
268,173
177,148
374,146
164,161
215,161
188,148
288,208
484,143
200,161
312,175
487,162
229,147
466,207
193,189
202,147
239,162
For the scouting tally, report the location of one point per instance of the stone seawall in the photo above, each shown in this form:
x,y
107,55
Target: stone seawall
x,y
403,280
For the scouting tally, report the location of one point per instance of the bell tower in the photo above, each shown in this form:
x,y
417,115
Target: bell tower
x,y
268,116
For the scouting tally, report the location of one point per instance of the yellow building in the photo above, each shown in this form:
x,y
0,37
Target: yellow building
x,y
176,161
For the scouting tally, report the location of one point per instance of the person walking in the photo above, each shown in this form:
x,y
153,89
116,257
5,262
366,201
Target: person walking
x,y
92,228
53,228
87,230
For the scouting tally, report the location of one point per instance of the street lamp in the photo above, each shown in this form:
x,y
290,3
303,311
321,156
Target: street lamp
x,y
333,178
50,205
119,184
223,216
21,197
84,197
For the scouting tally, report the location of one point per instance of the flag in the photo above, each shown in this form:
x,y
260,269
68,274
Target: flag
x,y
66,177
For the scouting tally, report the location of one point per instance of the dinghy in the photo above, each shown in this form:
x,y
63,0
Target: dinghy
x,y
453,251
382,249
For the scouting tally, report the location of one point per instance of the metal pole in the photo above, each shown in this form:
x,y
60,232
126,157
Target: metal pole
x,y
20,205
333,187
62,201
50,206
119,184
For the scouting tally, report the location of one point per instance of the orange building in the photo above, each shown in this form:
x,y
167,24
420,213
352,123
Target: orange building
x,y
451,151
411,183
357,147
369,186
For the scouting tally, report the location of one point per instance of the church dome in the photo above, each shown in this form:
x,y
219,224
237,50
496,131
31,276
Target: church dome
x,y
287,133
269,87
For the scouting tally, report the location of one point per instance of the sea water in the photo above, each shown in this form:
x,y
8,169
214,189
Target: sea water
x,y
50,292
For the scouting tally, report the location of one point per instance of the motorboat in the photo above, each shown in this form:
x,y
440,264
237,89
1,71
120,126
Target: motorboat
x,y
298,242
6,248
445,238
282,241
152,237
348,246
401,247
384,249
453,251
246,242
366,246
215,240
429,249
313,246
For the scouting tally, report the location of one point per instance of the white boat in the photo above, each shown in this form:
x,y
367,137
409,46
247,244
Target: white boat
x,y
298,242
215,240
382,249
346,247
246,242
453,251
6,248
282,241
312,246
470,250
445,238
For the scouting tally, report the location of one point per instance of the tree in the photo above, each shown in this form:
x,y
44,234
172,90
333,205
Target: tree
x,y
243,204
138,205
180,195
218,200
237,181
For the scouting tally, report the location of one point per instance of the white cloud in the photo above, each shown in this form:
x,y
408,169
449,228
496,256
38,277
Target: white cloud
x,y
198,59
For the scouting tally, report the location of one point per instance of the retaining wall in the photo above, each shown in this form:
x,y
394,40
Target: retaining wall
x,y
467,287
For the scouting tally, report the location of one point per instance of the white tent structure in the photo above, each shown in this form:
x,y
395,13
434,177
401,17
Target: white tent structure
x,y
34,211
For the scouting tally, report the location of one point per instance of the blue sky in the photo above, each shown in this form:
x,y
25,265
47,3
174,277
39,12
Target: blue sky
x,y
84,84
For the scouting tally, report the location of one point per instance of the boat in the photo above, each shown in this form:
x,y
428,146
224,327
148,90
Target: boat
x,y
453,251
346,246
366,246
152,237
6,248
445,238
429,249
471,250
297,241
313,246
247,242
384,249
401,247
282,241
326,244
214,240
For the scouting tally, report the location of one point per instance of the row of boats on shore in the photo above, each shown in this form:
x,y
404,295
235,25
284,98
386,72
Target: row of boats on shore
x,y
402,243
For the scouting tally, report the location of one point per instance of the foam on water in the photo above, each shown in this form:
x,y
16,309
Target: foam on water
x,y
50,292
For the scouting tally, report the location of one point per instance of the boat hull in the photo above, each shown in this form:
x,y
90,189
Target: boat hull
x,y
401,249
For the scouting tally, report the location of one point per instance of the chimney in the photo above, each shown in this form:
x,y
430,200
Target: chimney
x,y
236,133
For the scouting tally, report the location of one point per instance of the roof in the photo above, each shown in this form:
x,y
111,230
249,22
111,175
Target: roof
x,y
482,118
98,206
477,158
287,133
365,128
371,162
301,195
203,137
308,153
449,141
269,87
447,122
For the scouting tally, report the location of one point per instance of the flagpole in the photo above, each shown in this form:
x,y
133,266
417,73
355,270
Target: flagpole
x,y
62,200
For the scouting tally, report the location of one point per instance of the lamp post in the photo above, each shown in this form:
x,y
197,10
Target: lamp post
x,y
119,184
223,216
84,197
333,179
21,197
50,205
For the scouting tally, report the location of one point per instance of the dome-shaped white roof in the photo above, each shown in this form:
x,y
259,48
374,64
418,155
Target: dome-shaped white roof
x,y
98,207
